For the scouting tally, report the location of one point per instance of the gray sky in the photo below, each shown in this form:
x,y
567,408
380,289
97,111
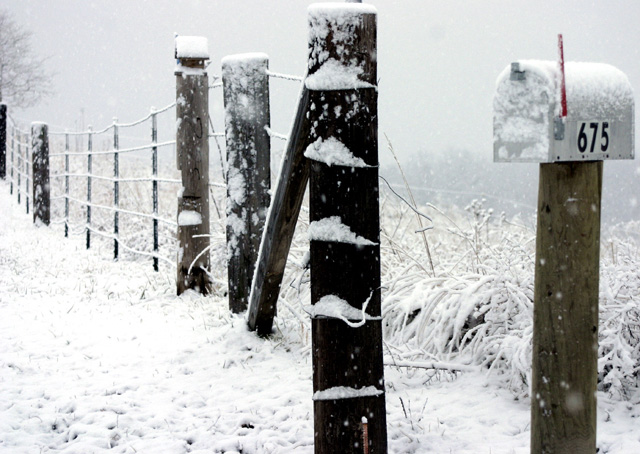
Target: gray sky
x,y
438,60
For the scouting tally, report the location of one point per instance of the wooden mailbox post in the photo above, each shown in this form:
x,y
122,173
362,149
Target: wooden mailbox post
x,y
570,135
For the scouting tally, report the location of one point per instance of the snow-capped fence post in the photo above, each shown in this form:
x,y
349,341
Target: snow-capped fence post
x,y
40,173
192,147
247,119
348,375
3,141
89,170
532,124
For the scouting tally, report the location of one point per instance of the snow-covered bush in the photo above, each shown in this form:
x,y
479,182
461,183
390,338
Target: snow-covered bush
x,y
469,304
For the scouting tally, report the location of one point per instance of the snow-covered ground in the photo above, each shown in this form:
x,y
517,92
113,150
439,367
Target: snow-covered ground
x,y
97,356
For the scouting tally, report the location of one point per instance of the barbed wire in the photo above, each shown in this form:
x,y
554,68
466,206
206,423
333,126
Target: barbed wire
x,y
284,76
82,228
276,135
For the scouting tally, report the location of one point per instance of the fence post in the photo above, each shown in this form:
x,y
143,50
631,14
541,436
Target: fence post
x,y
40,173
26,164
346,322
66,185
3,141
192,147
89,156
246,101
565,314
154,170
19,165
13,148
116,188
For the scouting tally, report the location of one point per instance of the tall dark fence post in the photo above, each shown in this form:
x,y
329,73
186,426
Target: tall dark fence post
x,y
40,173
3,141
246,100
565,334
192,146
116,187
89,166
348,376
154,170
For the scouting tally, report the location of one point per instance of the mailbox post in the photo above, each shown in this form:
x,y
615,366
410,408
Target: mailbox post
x,y
531,125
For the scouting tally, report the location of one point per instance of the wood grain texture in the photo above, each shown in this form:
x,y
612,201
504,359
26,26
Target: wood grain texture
x,y
248,145
565,338
192,147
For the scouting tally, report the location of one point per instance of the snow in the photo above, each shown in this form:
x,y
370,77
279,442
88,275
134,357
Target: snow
x,y
101,356
335,307
335,21
333,75
332,152
189,217
344,392
193,47
524,110
332,229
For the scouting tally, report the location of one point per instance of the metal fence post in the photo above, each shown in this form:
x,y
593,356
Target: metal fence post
x,y
89,163
66,185
116,187
154,170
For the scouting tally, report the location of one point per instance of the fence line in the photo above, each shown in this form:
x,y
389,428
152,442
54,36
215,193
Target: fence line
x,y
67,174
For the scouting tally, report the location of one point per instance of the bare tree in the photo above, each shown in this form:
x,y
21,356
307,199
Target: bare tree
x,y
23,78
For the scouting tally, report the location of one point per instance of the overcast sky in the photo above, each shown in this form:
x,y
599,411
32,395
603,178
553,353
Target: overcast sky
x,y
438,60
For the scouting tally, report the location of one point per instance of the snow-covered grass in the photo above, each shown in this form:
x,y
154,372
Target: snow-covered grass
x,y
100,356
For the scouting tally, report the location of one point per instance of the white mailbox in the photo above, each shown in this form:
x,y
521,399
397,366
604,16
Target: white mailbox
x,y
527,122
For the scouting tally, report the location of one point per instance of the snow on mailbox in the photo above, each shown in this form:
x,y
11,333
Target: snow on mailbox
x,y
528,125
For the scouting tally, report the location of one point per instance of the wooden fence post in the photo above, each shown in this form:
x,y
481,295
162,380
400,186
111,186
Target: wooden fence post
x,y
192,146
348,376
565,336
40,173
3,141
12,165
246,101
281,223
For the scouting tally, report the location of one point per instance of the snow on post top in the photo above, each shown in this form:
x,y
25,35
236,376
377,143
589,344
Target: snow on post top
x,y
192,47
340,9
527,105
250,58
337,61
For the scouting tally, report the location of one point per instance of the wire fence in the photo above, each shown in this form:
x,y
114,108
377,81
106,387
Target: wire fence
x,y
118,193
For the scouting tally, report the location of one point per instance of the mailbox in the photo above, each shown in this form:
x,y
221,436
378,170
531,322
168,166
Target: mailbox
x,y
527,121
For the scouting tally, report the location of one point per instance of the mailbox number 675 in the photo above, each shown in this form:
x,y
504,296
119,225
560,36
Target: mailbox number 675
x,y
590,132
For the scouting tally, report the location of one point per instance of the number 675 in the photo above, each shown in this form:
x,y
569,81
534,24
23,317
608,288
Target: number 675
x,y
588,134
